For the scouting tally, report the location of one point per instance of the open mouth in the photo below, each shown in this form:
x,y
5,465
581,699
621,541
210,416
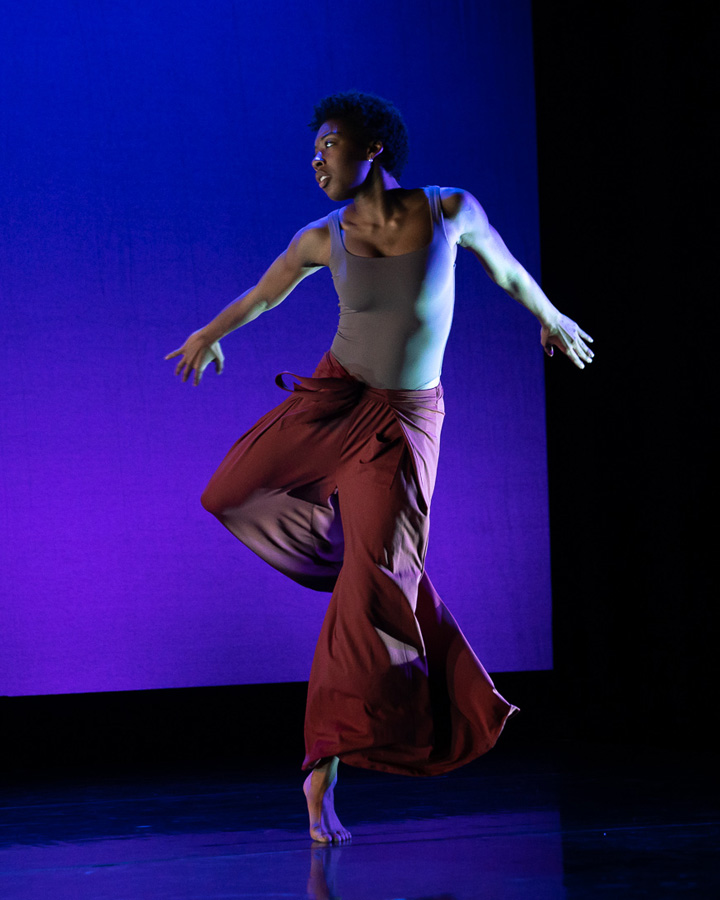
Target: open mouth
x,y
323,180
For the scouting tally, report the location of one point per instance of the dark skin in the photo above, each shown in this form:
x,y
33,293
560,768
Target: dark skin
x,y
383,219
408,228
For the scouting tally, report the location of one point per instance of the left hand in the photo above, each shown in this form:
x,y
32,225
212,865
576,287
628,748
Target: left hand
x,y
570,339
196,354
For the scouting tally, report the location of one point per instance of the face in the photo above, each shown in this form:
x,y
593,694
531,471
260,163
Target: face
x,y
341,163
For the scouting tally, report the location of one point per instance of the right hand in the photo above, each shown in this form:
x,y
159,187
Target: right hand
x,y
569,338
196,354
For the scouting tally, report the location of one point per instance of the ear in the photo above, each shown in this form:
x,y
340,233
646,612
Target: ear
x,y
374,149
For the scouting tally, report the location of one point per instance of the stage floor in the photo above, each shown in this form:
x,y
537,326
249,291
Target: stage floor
x,y
571,822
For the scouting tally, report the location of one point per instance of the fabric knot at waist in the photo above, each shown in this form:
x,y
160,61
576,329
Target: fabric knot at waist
x,y
332,392
329,397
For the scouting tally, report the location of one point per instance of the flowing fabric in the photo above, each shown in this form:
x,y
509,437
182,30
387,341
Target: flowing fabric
x,y
333,488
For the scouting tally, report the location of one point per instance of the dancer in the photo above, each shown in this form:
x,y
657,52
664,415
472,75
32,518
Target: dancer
x,y
333,487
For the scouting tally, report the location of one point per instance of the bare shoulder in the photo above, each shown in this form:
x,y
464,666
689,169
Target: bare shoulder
x,y
452,200
462,212
311,244
457,201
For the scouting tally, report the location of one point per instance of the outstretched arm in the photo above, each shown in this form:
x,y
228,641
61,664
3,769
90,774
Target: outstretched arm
x,y
305,254
477,234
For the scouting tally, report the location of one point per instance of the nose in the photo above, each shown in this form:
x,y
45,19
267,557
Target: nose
x,y
317,160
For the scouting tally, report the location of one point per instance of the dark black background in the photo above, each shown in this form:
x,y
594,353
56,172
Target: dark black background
x,y
624,117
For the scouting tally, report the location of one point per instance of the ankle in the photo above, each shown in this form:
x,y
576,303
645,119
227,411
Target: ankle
x,y
325,769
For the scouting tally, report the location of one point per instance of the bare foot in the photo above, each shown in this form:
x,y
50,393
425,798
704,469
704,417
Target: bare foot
x,y
324,824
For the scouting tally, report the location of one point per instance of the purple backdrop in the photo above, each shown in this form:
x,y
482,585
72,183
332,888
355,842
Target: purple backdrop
x,y
156,159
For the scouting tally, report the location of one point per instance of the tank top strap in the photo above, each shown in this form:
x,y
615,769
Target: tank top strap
x,y
433,194
337,248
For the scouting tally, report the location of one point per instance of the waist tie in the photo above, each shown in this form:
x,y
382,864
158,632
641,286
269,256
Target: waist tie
x,y
332,392
330,397
333,397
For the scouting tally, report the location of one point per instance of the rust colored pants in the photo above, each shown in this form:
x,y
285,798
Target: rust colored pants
x,y
333,489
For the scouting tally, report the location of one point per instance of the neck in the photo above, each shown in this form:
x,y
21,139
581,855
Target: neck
x,y
374,198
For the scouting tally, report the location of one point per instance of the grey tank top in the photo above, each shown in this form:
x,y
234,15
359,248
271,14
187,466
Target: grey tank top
x,y
395,311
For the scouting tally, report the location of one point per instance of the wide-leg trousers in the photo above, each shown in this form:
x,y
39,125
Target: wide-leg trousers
x,y
333,488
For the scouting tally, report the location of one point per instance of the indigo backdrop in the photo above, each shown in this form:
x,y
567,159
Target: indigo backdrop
x,y
155,159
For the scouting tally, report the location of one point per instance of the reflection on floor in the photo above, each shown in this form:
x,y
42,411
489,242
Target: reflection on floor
x,y
574,824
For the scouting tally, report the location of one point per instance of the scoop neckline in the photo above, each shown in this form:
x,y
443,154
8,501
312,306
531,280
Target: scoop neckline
x,y
395,255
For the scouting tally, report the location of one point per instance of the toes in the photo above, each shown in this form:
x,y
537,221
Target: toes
x,y
334,837
321,837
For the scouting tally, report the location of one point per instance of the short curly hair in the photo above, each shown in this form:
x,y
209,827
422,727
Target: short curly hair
x,y
373,119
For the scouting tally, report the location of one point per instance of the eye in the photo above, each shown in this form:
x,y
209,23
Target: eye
x,y
329,143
